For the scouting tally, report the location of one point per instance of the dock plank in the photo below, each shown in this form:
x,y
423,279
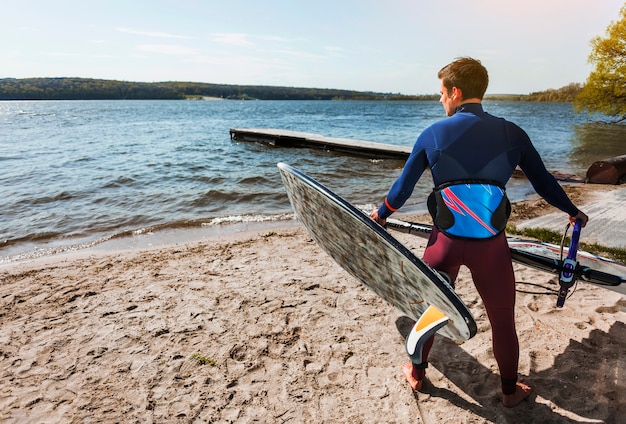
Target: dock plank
x,y
286,138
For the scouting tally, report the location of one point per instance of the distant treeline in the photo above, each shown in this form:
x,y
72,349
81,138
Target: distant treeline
x,y
97,89
563,94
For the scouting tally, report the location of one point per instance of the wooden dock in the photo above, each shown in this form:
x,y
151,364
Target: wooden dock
x,y
285,138
368,149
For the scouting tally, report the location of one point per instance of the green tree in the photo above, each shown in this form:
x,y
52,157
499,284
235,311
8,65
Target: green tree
x,y
605,88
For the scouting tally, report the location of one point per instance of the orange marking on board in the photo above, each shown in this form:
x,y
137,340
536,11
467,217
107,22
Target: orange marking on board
x,y
431,315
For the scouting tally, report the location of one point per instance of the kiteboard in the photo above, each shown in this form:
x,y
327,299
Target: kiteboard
x,y
590,268
374,257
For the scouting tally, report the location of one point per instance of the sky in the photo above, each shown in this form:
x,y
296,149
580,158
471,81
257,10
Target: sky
x,y
388,46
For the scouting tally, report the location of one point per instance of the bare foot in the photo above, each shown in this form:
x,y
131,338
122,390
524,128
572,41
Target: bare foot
x,y
407,370
522,391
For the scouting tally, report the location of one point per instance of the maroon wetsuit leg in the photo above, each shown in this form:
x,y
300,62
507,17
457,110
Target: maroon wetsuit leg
x,y
490,264
443,255
492,271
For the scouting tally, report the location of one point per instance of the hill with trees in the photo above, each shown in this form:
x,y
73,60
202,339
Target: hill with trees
x,y
98,89
563,94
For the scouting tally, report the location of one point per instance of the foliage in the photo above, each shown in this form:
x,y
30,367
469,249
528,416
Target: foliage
x,y
605,88
563,94
204,360
82,88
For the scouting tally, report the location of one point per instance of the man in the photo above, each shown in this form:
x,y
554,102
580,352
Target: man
x,y
471,156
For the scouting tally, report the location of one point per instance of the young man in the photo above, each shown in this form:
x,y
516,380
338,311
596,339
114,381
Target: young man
x,y
471,156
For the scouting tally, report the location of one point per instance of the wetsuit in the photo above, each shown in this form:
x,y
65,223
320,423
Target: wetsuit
x,y
472,145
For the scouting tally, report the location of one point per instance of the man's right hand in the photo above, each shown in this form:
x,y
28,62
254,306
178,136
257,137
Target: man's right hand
x,y
376,218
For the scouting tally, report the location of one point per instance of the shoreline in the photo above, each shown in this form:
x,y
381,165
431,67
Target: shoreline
x,y
146,238
531,212
184,231
525,208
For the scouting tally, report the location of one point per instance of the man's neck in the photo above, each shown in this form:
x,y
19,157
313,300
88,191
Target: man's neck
x,y
474,100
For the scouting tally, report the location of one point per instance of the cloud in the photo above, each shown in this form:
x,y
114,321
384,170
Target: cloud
x,y
333,49
280,39
232,38
153,34
300,54
169,49
61,54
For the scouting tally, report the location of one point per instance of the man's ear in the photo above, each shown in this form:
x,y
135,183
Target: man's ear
x,y
457,93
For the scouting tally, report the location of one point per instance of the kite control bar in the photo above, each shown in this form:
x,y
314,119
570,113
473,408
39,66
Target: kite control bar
x,y
567,277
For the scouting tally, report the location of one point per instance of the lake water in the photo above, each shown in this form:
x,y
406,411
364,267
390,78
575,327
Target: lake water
x,y
76,173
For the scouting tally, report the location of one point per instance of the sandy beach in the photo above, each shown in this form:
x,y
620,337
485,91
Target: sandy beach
x,y
263,326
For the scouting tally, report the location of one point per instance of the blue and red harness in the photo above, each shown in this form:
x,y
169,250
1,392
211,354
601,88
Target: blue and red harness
x,y
470,209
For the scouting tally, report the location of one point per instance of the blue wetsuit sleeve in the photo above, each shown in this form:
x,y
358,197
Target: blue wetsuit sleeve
x,y
543,182
403,187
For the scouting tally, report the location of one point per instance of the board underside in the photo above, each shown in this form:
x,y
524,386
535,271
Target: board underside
x,y
371,255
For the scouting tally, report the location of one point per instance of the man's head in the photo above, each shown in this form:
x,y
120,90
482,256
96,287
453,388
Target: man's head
x,y
462,80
